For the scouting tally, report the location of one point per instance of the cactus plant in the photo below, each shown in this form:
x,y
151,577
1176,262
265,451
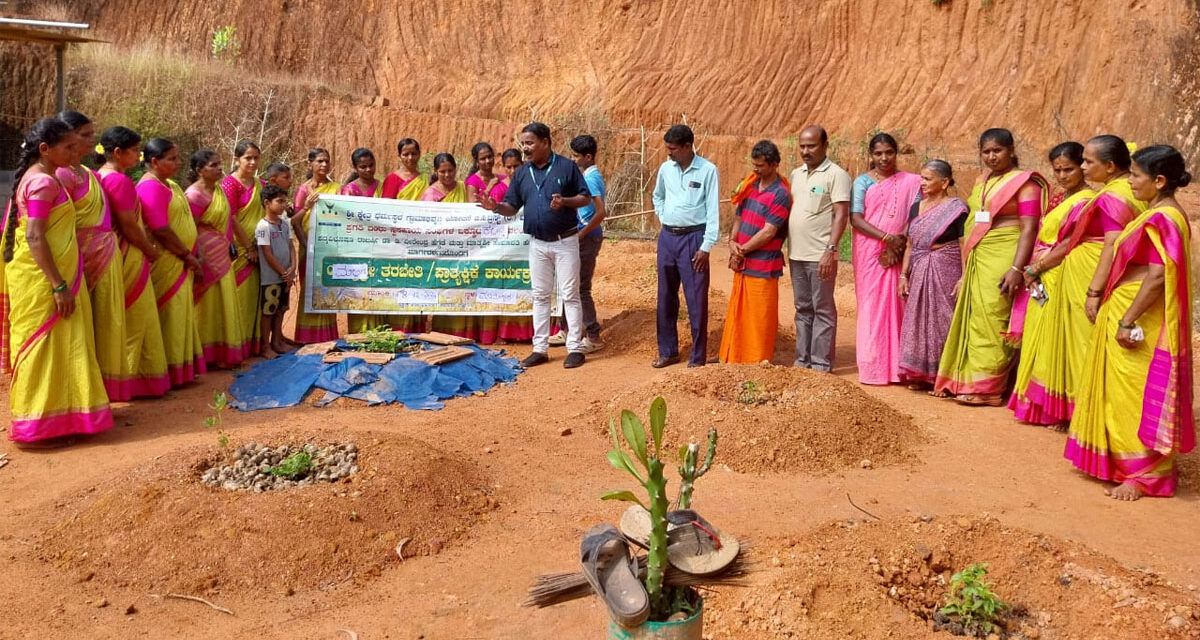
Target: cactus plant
x,y
664,600
689,455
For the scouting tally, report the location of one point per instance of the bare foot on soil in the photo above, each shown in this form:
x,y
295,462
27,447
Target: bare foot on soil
x,y
268,353
1060,427
919,386
282,347
939,393
1127,491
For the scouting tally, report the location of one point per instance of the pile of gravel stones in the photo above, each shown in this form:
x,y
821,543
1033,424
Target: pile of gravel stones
x,y
252,464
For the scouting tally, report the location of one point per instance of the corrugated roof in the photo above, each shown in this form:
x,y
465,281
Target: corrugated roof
x,y
21,30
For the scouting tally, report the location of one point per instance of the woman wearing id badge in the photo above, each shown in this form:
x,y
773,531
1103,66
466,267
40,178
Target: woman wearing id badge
x,y
1005,205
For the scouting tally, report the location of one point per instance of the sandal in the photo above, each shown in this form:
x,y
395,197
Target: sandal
x,y
980,401
613,574
693,544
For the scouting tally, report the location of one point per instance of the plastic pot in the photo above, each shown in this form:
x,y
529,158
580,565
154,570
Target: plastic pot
x,y
690,629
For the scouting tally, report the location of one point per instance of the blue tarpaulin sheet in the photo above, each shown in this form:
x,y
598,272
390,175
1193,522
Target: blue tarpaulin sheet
x,y
284,381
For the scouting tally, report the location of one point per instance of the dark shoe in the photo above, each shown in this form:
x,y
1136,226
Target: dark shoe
x,y
574,359
534,359
664,361
693,365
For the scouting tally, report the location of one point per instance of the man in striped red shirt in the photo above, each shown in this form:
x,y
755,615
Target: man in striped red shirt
x,y
763,201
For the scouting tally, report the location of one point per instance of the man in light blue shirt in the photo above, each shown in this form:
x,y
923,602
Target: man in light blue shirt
x,y
687,202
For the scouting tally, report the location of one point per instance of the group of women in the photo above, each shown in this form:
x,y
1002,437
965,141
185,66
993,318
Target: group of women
x,y
408,183
1073,303
112,290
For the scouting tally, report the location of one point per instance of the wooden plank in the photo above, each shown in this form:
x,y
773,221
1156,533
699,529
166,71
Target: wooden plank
x,y
370,357
437,337
443,355
315,348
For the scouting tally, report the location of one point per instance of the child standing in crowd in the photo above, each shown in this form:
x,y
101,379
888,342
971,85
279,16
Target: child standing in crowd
x,y
280,175
276,257
591,238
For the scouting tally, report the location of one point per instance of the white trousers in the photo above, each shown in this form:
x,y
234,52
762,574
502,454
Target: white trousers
x,y
550,262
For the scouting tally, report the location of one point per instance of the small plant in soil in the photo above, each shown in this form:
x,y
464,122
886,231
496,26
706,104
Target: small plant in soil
x,y
383,340
751,393
258,467
971,603
219,403
293,467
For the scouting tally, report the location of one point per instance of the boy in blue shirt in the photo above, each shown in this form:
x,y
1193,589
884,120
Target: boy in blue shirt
x,y
591,238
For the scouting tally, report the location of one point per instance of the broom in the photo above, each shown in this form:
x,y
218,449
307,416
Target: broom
x,y
557,588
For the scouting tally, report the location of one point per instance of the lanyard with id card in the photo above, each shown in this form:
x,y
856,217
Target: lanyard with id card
x,y
983,216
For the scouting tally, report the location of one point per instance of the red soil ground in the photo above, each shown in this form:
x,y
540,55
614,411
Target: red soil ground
x,y
507,496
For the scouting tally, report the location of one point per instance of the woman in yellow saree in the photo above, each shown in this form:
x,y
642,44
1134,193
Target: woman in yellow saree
x,y
243,192
312,327
446,187
218,309
56,385
101,260
1084,248
169,219
1006,205
362,183
1134,412
144,368
1040,392
407,183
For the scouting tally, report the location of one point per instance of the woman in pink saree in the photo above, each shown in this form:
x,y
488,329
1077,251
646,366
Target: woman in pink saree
x,y
929,275
879,207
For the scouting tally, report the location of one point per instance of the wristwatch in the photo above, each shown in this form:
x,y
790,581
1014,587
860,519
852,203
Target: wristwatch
x,y
831,247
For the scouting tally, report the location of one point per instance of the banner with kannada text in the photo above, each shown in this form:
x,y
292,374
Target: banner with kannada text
x,y
371,255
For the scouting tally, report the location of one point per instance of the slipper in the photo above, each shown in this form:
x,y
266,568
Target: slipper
x,y
693,544
613,574
979,401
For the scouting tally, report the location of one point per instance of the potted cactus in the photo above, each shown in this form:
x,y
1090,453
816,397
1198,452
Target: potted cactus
x,y
675,612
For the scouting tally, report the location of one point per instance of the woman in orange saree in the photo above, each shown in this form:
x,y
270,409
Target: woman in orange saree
x,y
144,368
1134,414
56,387
169,219
218,312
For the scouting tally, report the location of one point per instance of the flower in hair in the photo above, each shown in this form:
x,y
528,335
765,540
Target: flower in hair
x,y
141,157
1132,146
100,149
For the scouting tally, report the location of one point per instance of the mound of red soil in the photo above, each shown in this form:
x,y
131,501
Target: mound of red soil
x,y
885,579
162,530
777,419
